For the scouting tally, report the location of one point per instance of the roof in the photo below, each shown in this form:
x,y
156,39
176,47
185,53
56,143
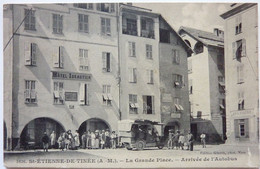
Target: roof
x,y
237,9
207,38
186,46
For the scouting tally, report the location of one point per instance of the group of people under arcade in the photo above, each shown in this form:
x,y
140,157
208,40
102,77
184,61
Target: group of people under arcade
x,y
100,139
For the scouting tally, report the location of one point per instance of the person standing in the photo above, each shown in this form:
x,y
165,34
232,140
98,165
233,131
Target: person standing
x,y
97,139
76,139
176,140
88,138
113,140
61,141
53,139
45,141
181,141
93,140
191,140
102,139
203,140
83,140
169,144
108,140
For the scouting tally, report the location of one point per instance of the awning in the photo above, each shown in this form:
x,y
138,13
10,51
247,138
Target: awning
x,y
33,94
177,106
221,106
56,94
109,97
240,101
105,97
181,107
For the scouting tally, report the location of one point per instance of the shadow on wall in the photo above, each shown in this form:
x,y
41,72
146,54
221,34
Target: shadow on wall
x,y
206,126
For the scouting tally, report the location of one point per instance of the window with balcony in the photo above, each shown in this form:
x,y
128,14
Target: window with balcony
x,y
30,52
57,23
83,23
30,92
107,97
58,93
29,21
147,27
83,60
148,104
133,105
129,25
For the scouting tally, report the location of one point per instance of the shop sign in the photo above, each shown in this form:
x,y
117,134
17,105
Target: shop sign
x,y
167,98
70,76
241,112
71,96
175,115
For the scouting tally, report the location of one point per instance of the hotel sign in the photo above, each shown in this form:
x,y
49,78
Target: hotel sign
x,y
71,76
242,112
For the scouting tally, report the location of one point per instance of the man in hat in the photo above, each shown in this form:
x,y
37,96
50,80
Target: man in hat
x,y
191,140
170,139
45,141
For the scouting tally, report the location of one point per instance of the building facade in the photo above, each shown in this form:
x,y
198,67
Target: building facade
x,y
241,62
206,75
85,67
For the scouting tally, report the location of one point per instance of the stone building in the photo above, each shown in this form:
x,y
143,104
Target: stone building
x,y
206,75
241,62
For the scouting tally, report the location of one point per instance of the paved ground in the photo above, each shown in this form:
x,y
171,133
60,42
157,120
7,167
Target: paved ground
x,y
213,155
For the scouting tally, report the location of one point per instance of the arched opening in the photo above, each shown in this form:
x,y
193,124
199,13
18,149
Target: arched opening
x,y
198,48
32,133
188,42
93,125
5,137
171,126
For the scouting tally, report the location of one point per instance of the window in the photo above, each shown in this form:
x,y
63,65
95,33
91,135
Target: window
x,y
106,7
239,49
164,36
129,24
30,53
30,93
149,51
177,81
189,66
58,93
176,57
241,128
147,27
132,49
150,76
107,98
198,48
199,114
105,26
241,101
178,105
222,105
83,23
84,5
148,104
57,24
29,22
190,86
106,58
238,24
133,105
240,73
83,60
58,57
220,61
83,94
132,75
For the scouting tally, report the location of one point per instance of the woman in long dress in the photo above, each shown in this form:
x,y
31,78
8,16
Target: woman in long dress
x,y
93,139
76,139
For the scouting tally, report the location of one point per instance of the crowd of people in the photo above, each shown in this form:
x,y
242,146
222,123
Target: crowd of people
x,y
99,139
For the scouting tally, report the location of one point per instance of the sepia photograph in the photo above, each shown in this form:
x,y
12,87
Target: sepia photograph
x,y
130,85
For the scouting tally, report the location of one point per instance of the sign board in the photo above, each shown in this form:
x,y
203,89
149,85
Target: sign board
x,y
71,96
241,112
175,115
71,76
166,98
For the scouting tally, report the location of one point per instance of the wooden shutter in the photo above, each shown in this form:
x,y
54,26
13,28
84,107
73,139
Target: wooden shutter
x,y
27,53
86,94
135,75
61,57
130,74
234,48
108,27
104,61
33,53
243,54
108,64
148,76
236,128
55,56
247,128
103,26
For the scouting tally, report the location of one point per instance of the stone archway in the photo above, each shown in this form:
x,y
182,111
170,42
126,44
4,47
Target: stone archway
x,y
174,125
32,133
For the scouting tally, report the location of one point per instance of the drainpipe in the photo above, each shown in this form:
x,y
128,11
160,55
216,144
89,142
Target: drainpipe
x,y
119,61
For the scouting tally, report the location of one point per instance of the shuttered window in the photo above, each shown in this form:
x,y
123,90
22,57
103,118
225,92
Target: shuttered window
x,y
241,128
239,49
58,93
240,73
83,23
57,23
132,50
149,51
133,105
83,60
106,59
30,93
105,26
176,57
29,21
150,76
132,75
58,57
238,27
84,94
107,97
148,105
177,80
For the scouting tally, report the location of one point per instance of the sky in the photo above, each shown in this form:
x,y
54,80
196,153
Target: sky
x,y
203,16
